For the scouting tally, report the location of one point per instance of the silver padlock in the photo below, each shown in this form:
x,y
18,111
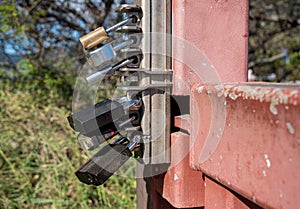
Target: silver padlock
x,y
107,53
116,51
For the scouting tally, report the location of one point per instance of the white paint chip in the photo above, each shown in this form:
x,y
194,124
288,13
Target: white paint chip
x,y
264,173
200,89
273,108
175,177
290,128
233,96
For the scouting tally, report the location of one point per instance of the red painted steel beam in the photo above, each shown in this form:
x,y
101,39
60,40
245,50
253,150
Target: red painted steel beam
x,y
219,30
247,137
183,122
217,197
182,186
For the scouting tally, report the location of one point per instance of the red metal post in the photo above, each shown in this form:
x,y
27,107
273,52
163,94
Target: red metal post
x,y
219,29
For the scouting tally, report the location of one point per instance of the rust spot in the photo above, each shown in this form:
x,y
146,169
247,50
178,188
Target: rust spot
x,y
228,147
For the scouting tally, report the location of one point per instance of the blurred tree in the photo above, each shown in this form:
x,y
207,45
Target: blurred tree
x,y
39,45
274,39
36,27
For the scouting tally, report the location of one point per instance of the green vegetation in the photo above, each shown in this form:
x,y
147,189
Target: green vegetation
x,y
274,40
39,155
40,56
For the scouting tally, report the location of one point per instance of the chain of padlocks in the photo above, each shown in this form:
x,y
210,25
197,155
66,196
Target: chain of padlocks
x,y
114,121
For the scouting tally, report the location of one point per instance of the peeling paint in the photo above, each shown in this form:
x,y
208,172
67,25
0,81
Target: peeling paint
x,y
200,89
273,108
175,177
268,162
280,194
219,87
273,95
221,93
233,96
209,91
295,103
264,173
290,128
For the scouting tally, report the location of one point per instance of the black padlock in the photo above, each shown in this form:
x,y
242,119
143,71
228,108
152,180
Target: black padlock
x,y
95,120
106,162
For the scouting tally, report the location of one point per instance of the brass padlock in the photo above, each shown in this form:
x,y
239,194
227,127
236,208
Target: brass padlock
x,y
100,34
94,38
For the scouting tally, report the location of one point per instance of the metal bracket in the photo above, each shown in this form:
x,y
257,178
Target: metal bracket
x,y
146,73
143,88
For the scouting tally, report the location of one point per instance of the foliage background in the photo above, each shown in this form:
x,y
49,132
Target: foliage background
x,y
40,58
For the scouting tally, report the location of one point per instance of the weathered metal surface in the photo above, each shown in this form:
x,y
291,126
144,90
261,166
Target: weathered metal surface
x,y
182,186
183,122
255,149
219,28
160,102
217,197
156,118
143,190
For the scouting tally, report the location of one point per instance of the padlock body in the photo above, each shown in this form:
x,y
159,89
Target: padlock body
x,y
96,119
103,164
94,38
102,55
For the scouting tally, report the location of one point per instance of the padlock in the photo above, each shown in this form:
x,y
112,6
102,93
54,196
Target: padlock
x,y
89,143
104,120
95,120
106,162
115,51
108,71
100,34
107,53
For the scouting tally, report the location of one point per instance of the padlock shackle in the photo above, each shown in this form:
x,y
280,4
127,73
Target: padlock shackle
x,y
128,20
135,141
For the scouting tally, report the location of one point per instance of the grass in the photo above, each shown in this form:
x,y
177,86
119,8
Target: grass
x,y
38,158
